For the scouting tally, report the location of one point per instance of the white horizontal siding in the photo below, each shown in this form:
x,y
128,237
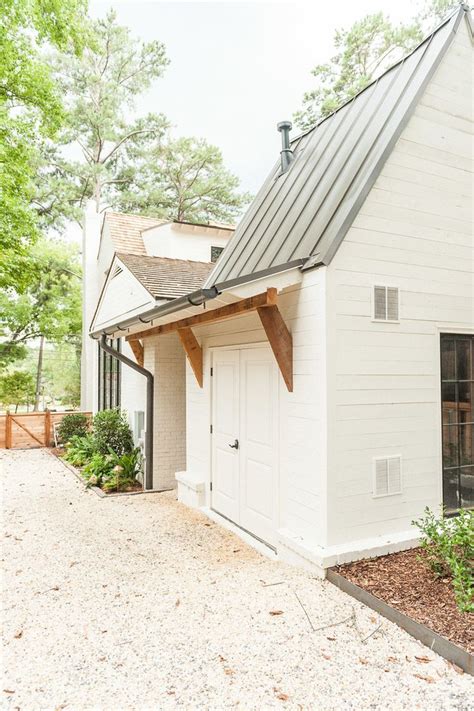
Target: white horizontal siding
x,y
414,232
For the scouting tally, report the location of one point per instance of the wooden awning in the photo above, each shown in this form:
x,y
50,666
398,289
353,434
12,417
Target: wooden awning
x,y
265,304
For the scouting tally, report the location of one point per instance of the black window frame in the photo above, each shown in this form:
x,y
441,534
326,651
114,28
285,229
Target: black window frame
x,y
457,422
109,377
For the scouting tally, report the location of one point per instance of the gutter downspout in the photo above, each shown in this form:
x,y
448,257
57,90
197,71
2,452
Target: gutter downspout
x,y
148,484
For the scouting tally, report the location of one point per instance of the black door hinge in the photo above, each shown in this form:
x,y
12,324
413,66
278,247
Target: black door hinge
x,y
212,372
210,428
210,486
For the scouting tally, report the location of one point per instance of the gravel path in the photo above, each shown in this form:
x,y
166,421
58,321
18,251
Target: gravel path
x,y
137,602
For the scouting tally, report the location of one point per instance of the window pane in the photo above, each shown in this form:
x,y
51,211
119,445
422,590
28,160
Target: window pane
x,y
467,486
466,433
450,446
451,489
463,359
380,303
465,395
447,359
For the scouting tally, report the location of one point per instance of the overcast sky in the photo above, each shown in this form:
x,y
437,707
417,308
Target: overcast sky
x,y
237,68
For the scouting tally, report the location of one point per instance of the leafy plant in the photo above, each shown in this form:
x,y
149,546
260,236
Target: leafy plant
x,y
448,545
125,470
75,424
80,450
98,469
112,431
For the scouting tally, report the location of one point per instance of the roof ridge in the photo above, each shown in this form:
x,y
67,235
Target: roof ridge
x,y
462,8
157,256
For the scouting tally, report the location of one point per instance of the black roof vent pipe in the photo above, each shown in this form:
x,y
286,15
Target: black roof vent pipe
x,y
286,153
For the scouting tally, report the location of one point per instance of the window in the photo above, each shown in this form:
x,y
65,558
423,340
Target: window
x,y
457,397
387,476
109,378
216,253
386,300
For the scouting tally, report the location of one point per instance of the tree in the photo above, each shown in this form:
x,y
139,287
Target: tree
x,y
183,179
30,109
100,88
48,309
16,388
364,52
127,164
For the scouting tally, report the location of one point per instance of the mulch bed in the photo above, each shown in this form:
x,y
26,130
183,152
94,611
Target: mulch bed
x,y
403,581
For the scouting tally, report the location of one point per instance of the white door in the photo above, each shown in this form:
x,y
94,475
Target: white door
x,y
245,413
225,429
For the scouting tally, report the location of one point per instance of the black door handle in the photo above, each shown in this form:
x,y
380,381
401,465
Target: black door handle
x,y
235,445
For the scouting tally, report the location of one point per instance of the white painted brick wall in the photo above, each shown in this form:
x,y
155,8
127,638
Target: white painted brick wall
x,y
165,358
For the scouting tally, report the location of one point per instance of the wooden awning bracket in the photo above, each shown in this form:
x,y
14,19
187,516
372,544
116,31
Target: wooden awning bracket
x,y
280,340
138,350
193,351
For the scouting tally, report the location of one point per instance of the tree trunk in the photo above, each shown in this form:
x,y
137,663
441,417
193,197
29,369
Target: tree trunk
x,y
39,374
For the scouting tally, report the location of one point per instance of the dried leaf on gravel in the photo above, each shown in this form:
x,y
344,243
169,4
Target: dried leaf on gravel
x,y
9,691
455,667
280,695
326,656
18,634
177,603
393,659
363,661
276,612
425,677
423,660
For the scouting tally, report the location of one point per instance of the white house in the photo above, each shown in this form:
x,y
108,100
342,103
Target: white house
x,y
328,391
131,264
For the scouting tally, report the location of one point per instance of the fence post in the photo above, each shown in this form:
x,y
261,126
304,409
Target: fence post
x,y
47,428
8,431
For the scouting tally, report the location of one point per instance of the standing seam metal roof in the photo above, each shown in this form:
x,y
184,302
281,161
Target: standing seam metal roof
x,y
307,211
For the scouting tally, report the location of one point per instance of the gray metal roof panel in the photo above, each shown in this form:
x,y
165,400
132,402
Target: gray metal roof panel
x,y
308,210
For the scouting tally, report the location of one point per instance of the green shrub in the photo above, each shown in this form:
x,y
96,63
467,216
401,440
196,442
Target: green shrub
x,y
75,424
79,450
448,545
98,469
112,431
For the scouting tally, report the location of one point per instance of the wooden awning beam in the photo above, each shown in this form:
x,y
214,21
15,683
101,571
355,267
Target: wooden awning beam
x,y
193,351
268,298
265,304
137,349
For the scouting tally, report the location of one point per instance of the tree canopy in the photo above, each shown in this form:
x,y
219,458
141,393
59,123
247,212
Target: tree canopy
x,y
30,109
125,163
363,52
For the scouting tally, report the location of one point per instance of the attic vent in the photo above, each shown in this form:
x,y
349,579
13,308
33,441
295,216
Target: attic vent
x,y
387,476
386,303
118,270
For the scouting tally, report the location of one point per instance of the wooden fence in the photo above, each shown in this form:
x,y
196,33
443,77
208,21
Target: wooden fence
x,y
29,430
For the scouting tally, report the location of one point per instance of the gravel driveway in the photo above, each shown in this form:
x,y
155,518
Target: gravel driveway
x,y
137,602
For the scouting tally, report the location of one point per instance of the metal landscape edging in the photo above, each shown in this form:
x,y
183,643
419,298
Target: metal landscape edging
x,y
99,491
438,644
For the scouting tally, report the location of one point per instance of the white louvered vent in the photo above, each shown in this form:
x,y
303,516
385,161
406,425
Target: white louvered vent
x,y
387,476
386,303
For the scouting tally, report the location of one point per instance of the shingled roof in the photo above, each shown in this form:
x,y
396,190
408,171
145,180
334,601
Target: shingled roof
x,y
305,213
166,278
126,231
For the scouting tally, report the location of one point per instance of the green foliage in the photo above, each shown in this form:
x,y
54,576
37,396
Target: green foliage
x,y
16,388
98,469
112,432
74,425
50,305
100,89
124,472
80,449
363,52
129,165
30,111
448,546
183,179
